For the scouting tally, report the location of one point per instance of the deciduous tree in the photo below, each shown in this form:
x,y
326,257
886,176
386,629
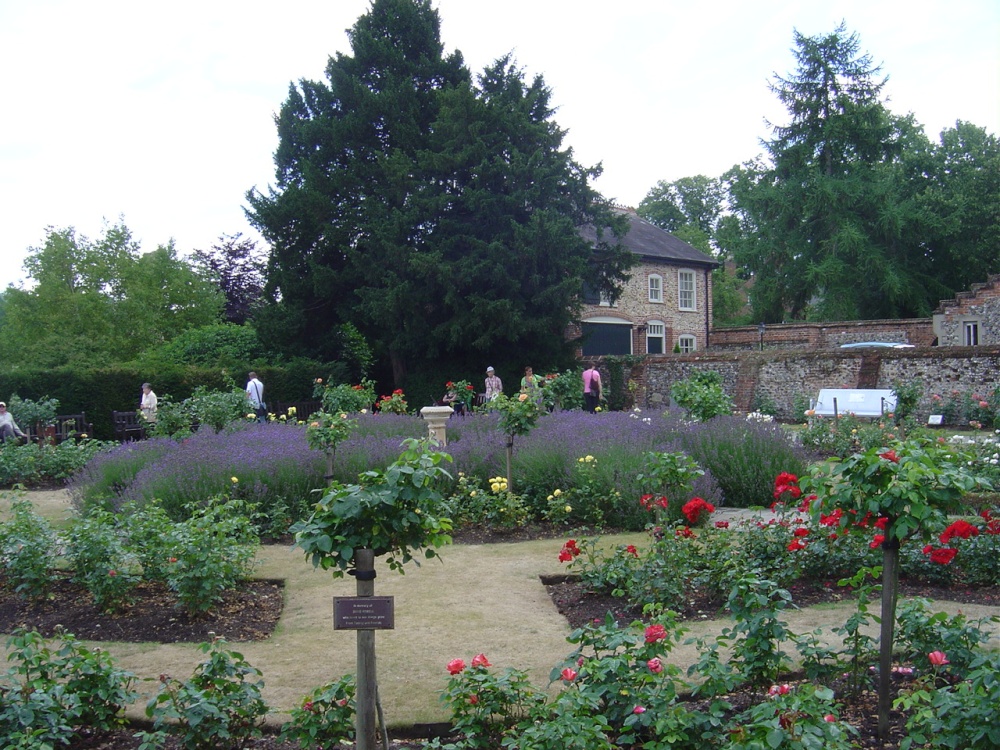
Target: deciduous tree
x,y
101,301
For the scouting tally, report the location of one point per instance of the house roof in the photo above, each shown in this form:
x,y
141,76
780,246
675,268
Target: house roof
x,y
649,241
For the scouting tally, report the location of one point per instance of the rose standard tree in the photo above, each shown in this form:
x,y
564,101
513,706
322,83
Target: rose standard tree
x,y
394,513
907,491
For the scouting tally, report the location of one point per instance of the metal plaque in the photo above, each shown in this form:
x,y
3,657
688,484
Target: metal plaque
x,y
363,613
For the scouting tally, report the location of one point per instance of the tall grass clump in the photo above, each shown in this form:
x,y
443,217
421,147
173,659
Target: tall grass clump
x,y
743,456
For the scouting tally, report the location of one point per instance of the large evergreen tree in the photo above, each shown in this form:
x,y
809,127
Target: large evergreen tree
x,y
437,216
825,228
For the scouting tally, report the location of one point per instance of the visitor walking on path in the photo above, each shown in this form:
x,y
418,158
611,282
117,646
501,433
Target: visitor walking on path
x,y
591,388
255,392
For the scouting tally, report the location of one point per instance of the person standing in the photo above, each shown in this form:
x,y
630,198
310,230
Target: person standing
x,y
531,384
147,404
494,386
591,388
8,427
255,393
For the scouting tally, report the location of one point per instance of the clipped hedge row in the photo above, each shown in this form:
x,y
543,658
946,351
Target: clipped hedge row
x,y
99,392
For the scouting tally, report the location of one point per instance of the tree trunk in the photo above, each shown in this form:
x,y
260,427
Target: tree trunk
x,y
510,453
890,589
367,686
398,368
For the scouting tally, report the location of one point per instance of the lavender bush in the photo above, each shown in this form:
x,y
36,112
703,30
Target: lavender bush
x,y
744,456
275,467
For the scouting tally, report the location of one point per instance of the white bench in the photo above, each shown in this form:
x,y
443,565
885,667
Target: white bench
x,y
861,402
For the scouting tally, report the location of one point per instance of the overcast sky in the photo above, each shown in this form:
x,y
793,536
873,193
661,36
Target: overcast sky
x,y
163,114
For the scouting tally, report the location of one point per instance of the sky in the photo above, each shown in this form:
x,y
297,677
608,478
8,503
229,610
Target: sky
x,y
163,115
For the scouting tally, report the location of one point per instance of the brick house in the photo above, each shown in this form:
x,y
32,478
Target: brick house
x,y
972,318
667,301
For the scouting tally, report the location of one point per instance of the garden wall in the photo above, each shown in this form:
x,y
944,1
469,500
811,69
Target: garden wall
x,y
788,379
916,331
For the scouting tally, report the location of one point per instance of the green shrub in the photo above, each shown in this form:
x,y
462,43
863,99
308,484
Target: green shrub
x,y
210,552
702,396
325,717
101,561
219,707
27,550
53,691
956,716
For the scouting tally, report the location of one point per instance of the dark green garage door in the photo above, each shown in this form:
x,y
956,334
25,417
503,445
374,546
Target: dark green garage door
x,y
606,338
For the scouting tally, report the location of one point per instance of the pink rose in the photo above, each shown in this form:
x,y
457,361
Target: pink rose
x,y
455,666
480,660
938,658
568,674
655,665
639,710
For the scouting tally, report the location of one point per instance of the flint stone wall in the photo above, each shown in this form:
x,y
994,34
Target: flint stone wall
x,y
789,378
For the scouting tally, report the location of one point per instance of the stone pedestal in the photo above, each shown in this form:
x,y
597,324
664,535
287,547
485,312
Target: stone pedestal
x,y
437,419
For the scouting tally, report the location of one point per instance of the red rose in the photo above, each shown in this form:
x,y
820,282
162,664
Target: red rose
x,y
568,674
480,660
960,528
655,633
890,456
455,666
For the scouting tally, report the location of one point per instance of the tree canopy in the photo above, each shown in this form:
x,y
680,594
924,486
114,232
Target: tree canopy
x,y
101,301
236,266
438,215
823,231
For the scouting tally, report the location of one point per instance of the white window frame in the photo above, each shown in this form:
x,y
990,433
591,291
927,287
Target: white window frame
x,y
684,278
606,301
687,343
655,286
970,332
657,329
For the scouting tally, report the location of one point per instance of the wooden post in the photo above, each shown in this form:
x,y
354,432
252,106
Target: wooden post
x,y
364,726
510,453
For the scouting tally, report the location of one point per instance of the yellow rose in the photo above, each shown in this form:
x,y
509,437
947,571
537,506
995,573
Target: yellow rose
x,y
588,459
568,509
235,480
523,397
495,486
557,493
550,498
472,494
251,416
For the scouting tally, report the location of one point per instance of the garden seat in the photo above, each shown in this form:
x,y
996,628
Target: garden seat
x,y
72,425
127,426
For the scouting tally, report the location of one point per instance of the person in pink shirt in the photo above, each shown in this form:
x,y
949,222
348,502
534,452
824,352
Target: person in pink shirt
x,y
591,388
